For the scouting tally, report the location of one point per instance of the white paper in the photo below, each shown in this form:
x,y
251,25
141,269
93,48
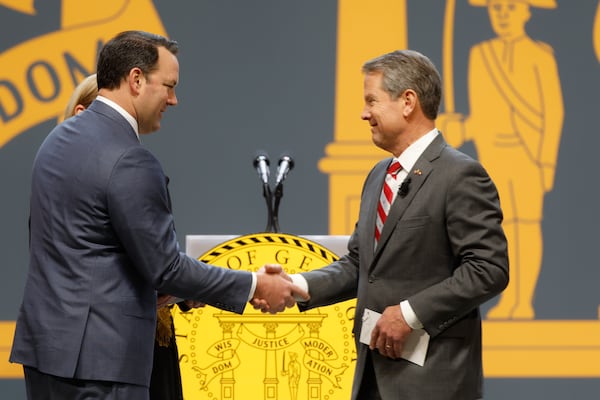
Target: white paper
x,y
415,347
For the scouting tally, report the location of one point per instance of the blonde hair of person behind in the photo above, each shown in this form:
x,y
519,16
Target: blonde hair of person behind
x,y
83,95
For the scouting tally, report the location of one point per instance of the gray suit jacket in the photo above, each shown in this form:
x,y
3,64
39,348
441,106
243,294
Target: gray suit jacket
x,y
443,249
102,242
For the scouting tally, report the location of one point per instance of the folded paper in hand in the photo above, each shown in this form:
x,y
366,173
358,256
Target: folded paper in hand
x,y
415,347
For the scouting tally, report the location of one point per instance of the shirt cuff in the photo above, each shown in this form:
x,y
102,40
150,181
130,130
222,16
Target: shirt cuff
x,y
300,281
409,315
253,287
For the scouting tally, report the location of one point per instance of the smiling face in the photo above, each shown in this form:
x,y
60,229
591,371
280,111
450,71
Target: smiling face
x,y
385,115
157,92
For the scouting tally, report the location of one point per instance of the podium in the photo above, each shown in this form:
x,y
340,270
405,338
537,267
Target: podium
x,y
196,245
293,355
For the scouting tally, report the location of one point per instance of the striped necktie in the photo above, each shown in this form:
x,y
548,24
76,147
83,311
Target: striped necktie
x,y
385,200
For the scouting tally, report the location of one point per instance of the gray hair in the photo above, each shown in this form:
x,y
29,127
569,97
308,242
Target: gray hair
x,y
409,69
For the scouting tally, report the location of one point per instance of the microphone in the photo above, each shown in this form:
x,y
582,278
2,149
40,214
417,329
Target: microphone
x,y
404,188
285,165
261,163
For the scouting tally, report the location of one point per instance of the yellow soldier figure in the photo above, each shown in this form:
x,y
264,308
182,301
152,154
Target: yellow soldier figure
x,y
293,370
515,123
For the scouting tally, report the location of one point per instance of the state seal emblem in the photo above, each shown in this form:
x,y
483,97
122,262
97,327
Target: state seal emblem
x,y
292,355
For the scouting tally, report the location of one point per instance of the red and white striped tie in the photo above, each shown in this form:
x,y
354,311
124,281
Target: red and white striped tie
x,y
385,200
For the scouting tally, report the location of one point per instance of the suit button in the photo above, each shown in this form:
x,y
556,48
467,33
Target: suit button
x,y
371,279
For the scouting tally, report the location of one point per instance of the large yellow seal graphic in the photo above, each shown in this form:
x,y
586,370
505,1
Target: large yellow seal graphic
x,y
291,355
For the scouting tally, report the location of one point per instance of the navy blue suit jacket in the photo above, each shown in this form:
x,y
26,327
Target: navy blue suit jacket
x,y
102,242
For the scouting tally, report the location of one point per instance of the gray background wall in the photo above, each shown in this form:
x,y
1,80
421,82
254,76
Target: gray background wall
x,y
259,76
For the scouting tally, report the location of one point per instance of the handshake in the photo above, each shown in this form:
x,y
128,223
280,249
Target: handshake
x,y
275,290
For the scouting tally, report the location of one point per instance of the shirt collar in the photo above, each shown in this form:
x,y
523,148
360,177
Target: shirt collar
x,y
121,111
409,157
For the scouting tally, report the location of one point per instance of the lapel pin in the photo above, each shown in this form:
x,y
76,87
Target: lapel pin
x,y
417,172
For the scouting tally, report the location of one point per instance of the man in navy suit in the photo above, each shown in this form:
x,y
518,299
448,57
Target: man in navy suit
x,y
102,241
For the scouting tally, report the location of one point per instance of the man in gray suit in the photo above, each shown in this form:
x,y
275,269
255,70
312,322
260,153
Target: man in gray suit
x,y
102,239
441,251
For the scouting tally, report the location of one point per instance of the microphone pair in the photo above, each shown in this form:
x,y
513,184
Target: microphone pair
x,y
285,165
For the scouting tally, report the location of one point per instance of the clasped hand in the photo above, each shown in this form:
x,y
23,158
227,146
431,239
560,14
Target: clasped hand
x,y
275,290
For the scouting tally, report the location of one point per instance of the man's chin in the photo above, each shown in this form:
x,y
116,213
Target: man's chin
x,y
375,139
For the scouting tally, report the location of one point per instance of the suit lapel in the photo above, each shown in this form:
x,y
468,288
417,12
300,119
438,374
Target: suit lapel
x,y
375,186
417,175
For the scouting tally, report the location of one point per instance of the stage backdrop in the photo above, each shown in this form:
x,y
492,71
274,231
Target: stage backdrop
x,y
283,77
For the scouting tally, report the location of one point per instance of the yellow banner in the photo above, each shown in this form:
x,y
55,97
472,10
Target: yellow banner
x,y
276,343
45,70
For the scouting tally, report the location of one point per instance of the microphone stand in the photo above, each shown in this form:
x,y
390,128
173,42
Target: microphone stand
x,y
270,217
276,201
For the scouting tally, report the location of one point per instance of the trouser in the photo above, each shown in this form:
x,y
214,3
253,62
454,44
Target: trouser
x,y
41,386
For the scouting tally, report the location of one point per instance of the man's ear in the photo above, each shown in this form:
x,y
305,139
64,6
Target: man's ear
x,y
410,101
135,78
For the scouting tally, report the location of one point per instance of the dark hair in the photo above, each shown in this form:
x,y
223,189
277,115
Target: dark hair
x,y
409,69
128,50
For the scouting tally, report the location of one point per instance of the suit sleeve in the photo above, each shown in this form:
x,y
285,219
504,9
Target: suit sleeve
x,y
473,221
336,282
138,204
